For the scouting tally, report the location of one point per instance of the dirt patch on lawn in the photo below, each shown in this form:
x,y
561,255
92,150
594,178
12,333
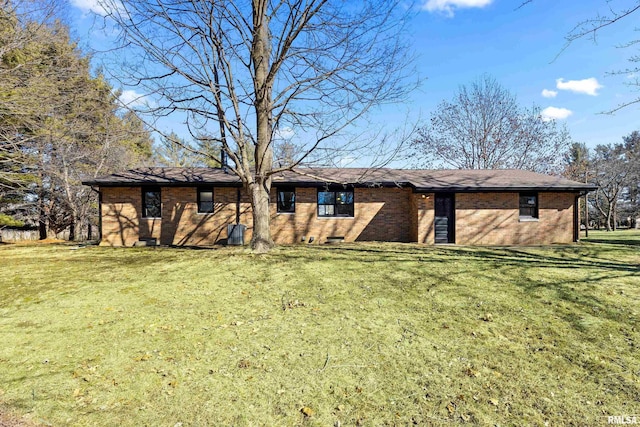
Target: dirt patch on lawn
x,y
10,420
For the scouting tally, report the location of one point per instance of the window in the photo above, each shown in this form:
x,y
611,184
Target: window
x,y
205,200
151,202
528,205
335,203
286,200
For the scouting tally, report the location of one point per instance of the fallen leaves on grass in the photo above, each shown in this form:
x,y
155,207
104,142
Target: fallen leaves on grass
x,y
488,317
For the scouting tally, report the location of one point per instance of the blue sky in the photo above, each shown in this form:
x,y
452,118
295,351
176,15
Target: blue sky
x,y
456,41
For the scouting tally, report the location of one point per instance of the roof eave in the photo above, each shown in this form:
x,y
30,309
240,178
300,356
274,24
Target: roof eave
x,y
469,189
160,184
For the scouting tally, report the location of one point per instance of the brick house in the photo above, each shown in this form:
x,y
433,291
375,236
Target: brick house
x,y
194,206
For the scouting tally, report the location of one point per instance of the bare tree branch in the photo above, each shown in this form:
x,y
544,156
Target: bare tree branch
x,y
483,127
239,71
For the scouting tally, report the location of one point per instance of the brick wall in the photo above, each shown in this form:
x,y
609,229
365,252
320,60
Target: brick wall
x,y
121,209
493,219
181,224
422,218
379,214
384,214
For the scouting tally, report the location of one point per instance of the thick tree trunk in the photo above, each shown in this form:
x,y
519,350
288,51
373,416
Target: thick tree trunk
x,y
263,85
42,228
261,240
42,218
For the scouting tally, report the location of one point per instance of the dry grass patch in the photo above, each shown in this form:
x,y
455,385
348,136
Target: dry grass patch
x,y
366,334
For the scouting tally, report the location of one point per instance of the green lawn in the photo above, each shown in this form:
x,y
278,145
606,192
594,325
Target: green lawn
x,y
362,334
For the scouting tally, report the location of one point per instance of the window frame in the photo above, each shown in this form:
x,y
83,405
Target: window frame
x,y
335,204
536,210
145,207
285,189
199,199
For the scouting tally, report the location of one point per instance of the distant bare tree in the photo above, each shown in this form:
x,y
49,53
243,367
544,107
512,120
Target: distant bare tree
x,y
242,70
610,171
631,199
578,167
484,127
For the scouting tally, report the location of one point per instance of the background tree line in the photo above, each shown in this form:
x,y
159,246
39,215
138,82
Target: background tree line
x,y
59,123
615,169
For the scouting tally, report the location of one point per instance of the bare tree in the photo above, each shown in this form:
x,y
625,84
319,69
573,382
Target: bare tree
x,y
631,194
483,127
578,167
614,168
245,70
609,173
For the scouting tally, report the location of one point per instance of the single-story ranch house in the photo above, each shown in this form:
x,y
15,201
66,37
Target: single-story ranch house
x,y
194,206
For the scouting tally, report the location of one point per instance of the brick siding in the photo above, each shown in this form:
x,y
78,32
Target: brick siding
x,y
422,218
493,219
379,214
383,214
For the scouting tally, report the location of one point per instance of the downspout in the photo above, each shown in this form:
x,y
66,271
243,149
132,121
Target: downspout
x,y
586,206
586,214
238,206
99,213
576,219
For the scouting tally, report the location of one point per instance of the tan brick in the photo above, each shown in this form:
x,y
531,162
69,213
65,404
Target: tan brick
x,y
383,214
493,219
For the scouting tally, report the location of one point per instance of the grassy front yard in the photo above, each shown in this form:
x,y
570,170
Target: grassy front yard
x,y
366,334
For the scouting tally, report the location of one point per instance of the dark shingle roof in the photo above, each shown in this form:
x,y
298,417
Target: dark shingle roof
x,y
420,180
165,176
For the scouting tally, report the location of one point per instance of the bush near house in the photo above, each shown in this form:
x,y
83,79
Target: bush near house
x,y
355,334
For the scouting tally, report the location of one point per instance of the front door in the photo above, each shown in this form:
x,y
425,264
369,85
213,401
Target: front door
x,y
445,218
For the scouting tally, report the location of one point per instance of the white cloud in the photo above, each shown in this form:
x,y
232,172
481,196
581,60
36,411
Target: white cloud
x,y
587,86
99,7
549,93
131,98
554,113
346,161
447,6
284,133
89,6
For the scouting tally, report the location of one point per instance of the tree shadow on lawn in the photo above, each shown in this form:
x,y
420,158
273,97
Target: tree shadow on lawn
x,y
569,257
612,241
520,265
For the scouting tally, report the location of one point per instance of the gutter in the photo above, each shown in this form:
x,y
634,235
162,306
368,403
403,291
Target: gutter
x,y
582,189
